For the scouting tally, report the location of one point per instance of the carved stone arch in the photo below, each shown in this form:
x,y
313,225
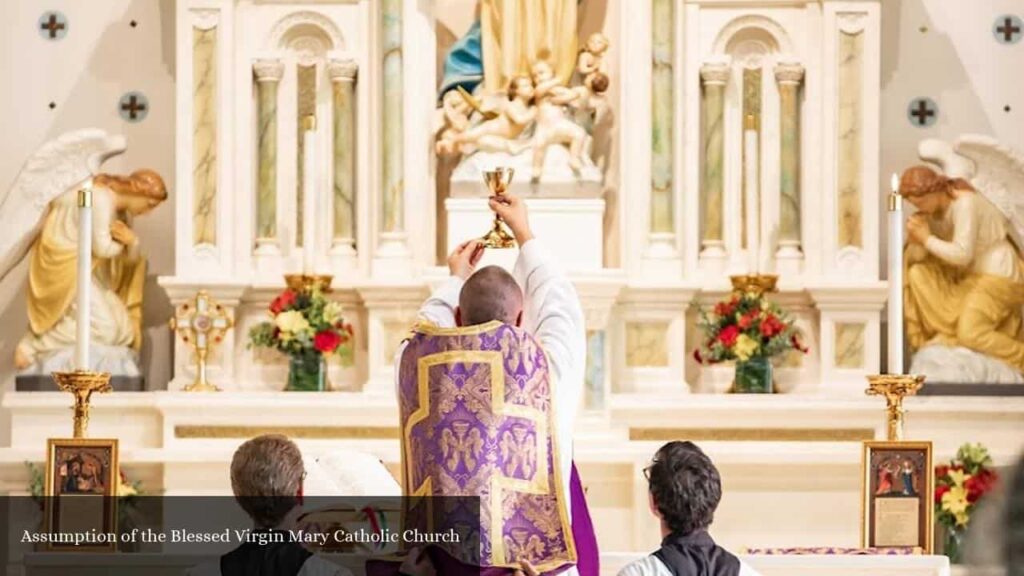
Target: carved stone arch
x,y
305,24
766,26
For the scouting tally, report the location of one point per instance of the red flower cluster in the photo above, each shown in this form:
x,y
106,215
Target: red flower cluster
x,y
726,308
728,335
940,490
980,484
771,326
747,320
283,302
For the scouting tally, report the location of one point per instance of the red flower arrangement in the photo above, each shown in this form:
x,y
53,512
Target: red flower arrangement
x,y
745,326
304,323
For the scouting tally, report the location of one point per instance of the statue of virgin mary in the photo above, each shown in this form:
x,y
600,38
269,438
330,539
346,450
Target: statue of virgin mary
x,y
507,38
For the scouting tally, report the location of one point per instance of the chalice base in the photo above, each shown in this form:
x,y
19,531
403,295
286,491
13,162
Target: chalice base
x,y
498,237
201,387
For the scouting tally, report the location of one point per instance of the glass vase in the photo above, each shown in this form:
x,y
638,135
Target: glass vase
x,y
753,376
307,373
953,545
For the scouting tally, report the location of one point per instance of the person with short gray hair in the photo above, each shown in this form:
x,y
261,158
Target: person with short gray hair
x,y
266,478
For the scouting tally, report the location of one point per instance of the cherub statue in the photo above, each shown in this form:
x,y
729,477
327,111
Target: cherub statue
x,y
501,133
964,284
452,120
553,125
41,211
590,62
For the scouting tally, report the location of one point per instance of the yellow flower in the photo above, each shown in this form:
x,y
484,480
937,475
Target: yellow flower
x,y
955,502
124,489
745,347
291,321
332,312
958,477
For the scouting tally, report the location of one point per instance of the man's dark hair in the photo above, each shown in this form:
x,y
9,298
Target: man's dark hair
x,y
491,293
685,486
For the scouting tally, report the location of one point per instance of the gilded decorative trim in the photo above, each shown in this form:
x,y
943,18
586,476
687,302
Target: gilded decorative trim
x,y
434,330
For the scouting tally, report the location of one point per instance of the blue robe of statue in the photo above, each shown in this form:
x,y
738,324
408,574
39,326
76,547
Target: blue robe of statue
x,y
464,64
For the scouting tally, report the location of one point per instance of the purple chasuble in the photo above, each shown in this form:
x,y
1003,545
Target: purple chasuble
x,y
477,420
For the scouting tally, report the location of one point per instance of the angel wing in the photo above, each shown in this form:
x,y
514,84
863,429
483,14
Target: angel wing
x,y
52,170
996,171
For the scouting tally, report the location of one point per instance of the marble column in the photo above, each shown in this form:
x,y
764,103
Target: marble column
x,y
392,204
714,77
343,79
662,220
268,76
789,76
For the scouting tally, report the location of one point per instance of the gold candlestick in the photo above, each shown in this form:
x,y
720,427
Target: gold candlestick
x,y
894,387
82,383
497,182
758,284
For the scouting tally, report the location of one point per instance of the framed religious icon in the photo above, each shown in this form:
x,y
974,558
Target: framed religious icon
x,y
896,509
80,492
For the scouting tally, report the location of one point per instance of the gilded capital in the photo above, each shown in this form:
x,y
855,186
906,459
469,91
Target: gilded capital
x,y
789,73
268,70
715,73
342,70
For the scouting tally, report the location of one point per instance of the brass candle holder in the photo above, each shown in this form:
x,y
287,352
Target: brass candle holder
x,y
498,181
894,387
308,282
757,284
82,384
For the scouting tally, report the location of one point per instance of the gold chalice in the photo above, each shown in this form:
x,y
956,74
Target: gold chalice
x,y
497,182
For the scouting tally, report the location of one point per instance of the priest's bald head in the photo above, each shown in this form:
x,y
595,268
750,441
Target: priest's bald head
x,y
491,293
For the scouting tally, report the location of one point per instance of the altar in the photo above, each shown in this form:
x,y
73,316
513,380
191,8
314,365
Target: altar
x,y
790,465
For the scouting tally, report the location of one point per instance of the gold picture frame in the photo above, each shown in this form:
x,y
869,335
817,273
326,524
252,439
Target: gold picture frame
x,y
897,488
80,489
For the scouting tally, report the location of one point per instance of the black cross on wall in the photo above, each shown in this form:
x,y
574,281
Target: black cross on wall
x,y
922,112
133,107
53,25
1008,29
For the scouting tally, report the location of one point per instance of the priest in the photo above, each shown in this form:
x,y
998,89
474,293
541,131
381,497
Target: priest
x,y
488,386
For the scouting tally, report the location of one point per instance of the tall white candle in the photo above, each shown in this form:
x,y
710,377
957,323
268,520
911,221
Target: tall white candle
x,y
309,195
895,317
750,186
84,277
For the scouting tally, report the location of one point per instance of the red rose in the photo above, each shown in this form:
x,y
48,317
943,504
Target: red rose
x,y
326,341
282,302
939,491
747,320
728,336
941,471
771,326
697,356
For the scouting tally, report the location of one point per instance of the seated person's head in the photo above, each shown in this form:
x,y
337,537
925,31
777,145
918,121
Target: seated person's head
x,y
491,293
266,478
684,488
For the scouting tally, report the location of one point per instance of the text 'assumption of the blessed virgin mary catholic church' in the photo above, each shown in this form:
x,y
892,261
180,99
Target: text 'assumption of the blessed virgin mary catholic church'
x,y
662,286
